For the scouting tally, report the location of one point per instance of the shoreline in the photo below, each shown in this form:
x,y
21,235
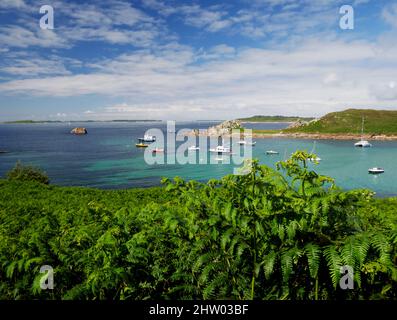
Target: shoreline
x,y
311,136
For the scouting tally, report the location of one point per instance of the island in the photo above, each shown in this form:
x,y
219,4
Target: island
x,y
348,124
257,118
351,124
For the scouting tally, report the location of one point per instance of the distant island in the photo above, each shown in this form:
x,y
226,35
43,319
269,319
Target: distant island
x,y
274,119
73,121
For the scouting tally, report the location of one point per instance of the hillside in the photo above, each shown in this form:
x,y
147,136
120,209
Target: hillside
x,y
377,122
273,119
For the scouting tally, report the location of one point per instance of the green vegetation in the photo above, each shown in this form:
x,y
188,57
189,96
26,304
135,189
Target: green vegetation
x,y
350,121
27,173
274,119
262,131
21,121
269,234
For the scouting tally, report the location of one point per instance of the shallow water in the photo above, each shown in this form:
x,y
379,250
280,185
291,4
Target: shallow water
x,y
107,157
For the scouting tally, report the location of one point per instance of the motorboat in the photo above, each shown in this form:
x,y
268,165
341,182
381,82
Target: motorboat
x,y
158,150
271,152
147,138
315,159
141,145
243,143
220,149
376,170
194,148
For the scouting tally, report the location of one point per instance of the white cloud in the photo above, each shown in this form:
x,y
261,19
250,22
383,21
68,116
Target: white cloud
x,y
12,4
115,22
289,80
35,67
390,15
16,36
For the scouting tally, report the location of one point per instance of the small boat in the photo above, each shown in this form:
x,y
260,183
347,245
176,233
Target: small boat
x,y
271,152
243,143
158,150
220,149
194,148
312,152
376,170
362,143
147,138
142,145
2,151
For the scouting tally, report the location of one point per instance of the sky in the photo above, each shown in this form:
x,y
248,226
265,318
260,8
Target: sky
x,y
195,60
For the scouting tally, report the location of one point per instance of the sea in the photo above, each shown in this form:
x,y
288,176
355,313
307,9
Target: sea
x,y
107,157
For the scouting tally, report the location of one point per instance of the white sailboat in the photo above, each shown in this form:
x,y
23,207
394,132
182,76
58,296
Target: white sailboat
x,y
362,143
312,152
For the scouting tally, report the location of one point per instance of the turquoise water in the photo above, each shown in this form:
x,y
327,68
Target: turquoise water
x,y
107,156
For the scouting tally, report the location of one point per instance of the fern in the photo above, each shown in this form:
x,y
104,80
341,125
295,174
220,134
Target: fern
x,y
313,253
334,263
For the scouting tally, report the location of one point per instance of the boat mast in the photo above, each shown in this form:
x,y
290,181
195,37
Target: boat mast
x,y
362,128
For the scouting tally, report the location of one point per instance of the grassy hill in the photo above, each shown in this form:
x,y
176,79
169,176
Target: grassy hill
x,y
273,119
350,121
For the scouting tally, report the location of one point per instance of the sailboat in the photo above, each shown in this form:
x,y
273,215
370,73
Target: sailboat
x,y
363,143
312,152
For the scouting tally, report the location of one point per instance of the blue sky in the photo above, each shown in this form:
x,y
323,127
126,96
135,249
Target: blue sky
x,y
183,60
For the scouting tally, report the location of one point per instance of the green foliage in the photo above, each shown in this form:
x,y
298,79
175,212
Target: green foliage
x,y
274,119
269,234
22,172
350,121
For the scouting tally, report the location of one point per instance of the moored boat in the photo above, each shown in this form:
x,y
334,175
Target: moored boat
x,y
194,148
376,170
147,138
142,145
362,143
220,150
243,143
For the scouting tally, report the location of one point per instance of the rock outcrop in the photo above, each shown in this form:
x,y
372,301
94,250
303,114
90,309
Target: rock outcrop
x,y
224,128
79,131
297,124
